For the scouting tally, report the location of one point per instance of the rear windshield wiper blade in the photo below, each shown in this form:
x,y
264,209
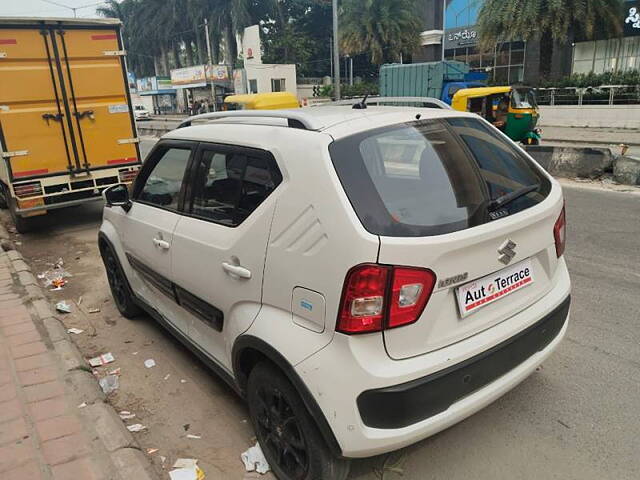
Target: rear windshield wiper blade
x,y
511,196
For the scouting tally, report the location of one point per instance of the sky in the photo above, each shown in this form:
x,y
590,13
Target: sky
x,y
39,8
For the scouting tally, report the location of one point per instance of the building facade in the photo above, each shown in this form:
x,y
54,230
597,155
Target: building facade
x,y
612,54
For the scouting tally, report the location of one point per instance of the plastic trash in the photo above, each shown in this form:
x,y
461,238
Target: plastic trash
x,y
186,469
151,451
102,360
254,460
82,405
126,415
150,362
115,371
56,276
75,331
109,384
136,427
166,377
93,310
63,307
194,437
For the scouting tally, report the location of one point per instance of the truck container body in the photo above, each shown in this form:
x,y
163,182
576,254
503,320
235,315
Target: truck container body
x,y
67,129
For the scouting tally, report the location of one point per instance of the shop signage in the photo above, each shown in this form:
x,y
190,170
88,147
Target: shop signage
x,y
460,37
189,77
154,84
632,19
218,73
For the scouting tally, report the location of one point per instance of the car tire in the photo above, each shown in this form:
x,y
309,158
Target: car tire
x,y
288,436
4,197
120,290
22,224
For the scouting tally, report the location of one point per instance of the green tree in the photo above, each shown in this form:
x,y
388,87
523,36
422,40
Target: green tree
x,y
553,22
383,29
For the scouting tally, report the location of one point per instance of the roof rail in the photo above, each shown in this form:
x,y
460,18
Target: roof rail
x,y
428,102
294,119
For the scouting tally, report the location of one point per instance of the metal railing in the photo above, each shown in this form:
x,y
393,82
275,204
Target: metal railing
x,y
602,95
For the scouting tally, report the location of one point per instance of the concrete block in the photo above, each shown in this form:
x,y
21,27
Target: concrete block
x,y
26,278
131,463
626,170
84,386
42,308
55,329
582,162
108,425
21,266
14,255
70,357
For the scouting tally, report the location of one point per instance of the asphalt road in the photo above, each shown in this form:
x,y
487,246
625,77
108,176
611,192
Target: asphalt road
x,y
575,418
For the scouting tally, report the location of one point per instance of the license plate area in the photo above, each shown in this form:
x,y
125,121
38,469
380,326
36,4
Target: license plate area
x,y
480,292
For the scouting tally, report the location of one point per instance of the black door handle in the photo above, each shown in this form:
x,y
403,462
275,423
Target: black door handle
x,y
50,116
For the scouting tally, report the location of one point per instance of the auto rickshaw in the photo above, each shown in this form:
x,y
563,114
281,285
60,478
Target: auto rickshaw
x,y
261,101
511,109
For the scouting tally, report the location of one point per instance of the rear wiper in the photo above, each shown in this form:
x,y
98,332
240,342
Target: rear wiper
x,y
501,201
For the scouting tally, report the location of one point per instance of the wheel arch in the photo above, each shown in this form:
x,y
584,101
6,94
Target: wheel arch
x,y
248,351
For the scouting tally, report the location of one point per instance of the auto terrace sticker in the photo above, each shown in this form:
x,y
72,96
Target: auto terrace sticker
x,y
121,108
485,290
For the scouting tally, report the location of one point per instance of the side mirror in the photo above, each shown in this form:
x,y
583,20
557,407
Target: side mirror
x,y
117,196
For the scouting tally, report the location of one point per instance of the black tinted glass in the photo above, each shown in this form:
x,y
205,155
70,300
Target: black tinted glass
x,y
162,187
230,186
431,177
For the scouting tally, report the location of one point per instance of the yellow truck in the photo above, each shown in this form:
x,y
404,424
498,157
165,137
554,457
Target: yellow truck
x,y
67,129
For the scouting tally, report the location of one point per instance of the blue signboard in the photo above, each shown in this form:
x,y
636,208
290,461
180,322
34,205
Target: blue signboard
x,y
461,13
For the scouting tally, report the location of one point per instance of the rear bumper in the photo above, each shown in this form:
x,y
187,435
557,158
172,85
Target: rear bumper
x,y
402,405
375,404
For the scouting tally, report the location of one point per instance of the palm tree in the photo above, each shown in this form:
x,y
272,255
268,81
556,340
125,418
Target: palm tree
x,y
554,23
384,29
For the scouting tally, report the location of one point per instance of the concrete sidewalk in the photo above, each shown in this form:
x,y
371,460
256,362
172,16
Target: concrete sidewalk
x,y
44,434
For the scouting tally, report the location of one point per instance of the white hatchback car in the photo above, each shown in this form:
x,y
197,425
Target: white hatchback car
x,y
364,278
140,112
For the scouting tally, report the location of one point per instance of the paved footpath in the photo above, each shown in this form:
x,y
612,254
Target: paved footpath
x,y
43,380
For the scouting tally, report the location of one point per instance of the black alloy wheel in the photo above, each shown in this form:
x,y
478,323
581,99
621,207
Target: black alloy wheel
x,y
280,428
119,286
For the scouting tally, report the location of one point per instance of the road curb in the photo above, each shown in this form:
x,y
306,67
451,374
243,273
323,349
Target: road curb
x,y
99,416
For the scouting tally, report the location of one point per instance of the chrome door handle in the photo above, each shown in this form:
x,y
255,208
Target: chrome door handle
x,y
236,270
163,244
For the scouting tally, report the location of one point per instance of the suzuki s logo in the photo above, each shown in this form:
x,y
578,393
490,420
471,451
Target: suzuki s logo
x,y
507,251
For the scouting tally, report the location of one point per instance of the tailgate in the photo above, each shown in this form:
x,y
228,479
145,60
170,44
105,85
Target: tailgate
x,y
93,65
32,117
473,254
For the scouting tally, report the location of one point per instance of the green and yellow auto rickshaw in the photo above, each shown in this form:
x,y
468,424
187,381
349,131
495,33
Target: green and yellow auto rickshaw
x,y
511,109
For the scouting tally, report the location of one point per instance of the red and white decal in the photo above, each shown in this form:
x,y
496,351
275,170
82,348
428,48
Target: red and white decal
x,y
106,36
8,41
486,290
119,161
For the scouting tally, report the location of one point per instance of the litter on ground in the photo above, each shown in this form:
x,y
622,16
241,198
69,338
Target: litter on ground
x,y
186,469
150,362
63,307
166,377
102,359
115,371
151,451
93,310
182,380
109,384
126,415
55,277
82,405
136,427
194,437
254,460
75,331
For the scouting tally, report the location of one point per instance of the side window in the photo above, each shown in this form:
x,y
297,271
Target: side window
x,y
162,186
230,186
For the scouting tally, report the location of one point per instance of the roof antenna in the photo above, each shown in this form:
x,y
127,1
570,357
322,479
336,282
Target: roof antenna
x,y
361,105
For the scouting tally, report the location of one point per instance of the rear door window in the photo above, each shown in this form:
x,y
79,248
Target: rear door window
x,y
432,177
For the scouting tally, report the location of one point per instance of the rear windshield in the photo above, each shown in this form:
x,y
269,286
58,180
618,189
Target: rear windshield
x,y
523,98
432,177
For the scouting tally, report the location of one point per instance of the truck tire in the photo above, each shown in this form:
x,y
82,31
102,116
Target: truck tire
x,y
4,197
23,225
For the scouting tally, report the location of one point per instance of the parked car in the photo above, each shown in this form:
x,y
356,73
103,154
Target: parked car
x,y
363,278
140,112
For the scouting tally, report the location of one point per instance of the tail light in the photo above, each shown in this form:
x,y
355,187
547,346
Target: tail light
x,y
30,189
375,297
127,176
560,233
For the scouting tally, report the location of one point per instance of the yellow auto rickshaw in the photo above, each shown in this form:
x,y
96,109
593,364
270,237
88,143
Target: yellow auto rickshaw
x,y
512,109
261,101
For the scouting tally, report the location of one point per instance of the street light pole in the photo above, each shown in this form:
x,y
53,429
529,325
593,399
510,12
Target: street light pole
x,y
210,58
336,52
